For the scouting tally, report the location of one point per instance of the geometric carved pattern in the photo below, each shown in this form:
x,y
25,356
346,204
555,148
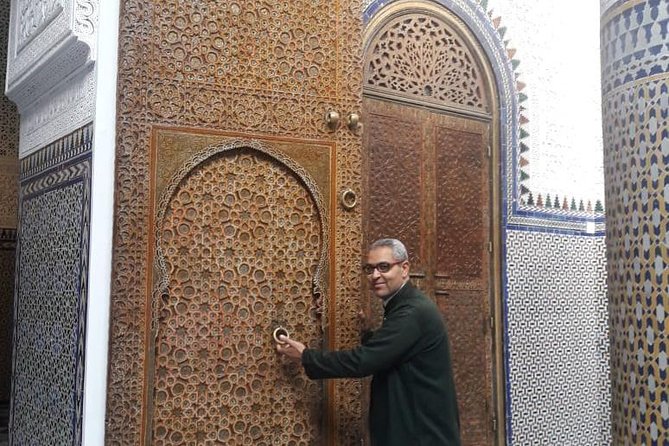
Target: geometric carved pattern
x,y
241,238
465,313
256,69
558,384
635,81
394,158
420,57
462,273
50,306
461,203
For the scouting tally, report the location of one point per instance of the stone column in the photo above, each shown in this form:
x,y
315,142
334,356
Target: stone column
x,y
635,105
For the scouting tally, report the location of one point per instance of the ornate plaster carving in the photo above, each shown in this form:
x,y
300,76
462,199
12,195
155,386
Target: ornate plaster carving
x,y
51,52
58,113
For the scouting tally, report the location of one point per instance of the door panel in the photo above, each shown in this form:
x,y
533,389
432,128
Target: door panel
x,y
241,239
462,202
394,178
194,75
242,246
428,185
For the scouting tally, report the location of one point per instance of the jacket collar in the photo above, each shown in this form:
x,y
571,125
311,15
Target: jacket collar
x,y
396,298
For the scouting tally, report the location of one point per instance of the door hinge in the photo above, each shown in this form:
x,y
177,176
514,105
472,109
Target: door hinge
x,y
489,152
494,424
489,246
492,322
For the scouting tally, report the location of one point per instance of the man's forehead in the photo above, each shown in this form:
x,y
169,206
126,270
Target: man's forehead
x,y
381,252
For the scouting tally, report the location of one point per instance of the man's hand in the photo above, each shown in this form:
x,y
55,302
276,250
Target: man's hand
x,y
292,349
364,321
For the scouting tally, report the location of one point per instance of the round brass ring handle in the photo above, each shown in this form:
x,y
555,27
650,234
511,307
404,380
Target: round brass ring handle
x,y
278,331
349,199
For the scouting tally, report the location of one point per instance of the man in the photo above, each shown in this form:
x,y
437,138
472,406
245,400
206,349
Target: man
x,y
412,394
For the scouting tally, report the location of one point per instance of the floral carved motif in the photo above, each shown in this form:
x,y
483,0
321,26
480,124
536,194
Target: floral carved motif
x,y
34,15
418,56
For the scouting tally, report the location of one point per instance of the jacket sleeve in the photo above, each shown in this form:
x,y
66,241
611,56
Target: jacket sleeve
x,y
388,346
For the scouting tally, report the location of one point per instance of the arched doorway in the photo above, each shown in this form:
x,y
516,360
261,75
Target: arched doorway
x,y
430,156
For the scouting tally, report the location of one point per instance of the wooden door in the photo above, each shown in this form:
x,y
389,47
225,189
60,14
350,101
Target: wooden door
x,y
227,221
239,253
427,163
428,185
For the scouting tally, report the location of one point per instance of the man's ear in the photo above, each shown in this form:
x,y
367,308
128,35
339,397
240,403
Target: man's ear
x,y
405,269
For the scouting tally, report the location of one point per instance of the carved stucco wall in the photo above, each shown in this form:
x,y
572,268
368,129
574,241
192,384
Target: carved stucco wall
x,y
50,76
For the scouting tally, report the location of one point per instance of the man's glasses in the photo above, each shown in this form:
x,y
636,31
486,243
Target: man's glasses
x,y
383,267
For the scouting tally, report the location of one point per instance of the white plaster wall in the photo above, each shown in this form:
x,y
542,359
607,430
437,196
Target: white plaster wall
x,y
557,44
101,232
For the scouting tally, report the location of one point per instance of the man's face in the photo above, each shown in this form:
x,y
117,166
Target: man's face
x,y
385,284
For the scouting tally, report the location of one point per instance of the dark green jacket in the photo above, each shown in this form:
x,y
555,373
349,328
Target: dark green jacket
x,y
413,396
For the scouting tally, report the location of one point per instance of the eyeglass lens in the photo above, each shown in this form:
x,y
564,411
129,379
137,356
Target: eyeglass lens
x,y
383,267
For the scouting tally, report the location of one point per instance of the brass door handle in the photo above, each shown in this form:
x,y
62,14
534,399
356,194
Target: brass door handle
x,y
332,120
280,331
348,199
353,122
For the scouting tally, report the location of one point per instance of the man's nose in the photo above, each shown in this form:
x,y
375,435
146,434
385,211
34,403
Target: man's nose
x,y
376,273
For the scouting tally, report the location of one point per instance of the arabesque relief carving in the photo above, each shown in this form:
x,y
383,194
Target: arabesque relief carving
x,y
418,55
254,70
242,248
51,68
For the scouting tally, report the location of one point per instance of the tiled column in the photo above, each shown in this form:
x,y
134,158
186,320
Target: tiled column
x,y
635,90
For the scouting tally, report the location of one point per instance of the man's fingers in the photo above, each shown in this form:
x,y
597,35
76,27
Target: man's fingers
x,y
288,341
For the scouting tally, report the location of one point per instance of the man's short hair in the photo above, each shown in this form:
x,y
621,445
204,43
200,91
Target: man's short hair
x,y
399,251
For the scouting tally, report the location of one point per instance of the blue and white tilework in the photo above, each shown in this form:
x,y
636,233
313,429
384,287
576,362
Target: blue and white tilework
x,y
635,80
50,302
557,340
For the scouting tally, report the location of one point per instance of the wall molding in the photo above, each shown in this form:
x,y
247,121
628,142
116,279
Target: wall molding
x,y
50,67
